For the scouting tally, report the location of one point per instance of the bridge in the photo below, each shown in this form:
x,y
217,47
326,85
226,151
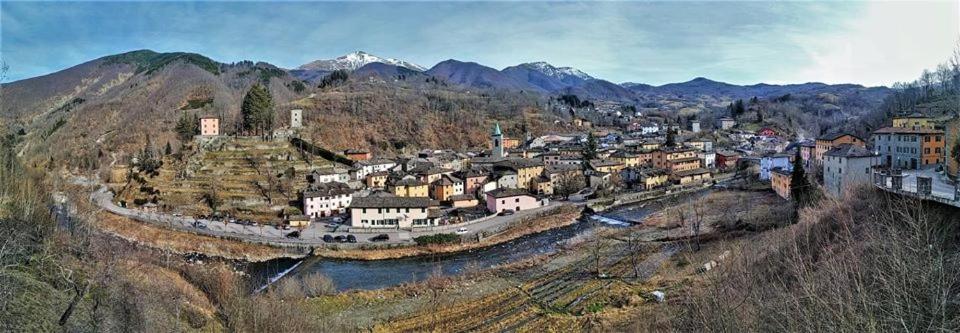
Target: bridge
x,y
924,184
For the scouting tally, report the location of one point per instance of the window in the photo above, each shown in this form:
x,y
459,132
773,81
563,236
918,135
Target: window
x,y
927,139
926,150
364,210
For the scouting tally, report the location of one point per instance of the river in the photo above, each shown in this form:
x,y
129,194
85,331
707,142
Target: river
x,y
362,274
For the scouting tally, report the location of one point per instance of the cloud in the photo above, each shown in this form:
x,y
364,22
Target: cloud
x,y
884,43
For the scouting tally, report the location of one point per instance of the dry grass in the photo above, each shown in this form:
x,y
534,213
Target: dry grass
x,y
868,262
182,242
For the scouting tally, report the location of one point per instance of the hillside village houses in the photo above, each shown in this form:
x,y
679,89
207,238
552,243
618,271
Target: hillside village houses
x,y
909,148
780,180
326,199
503,177
393,212
848,166
772,161
209,126
827,142
727,123
327,175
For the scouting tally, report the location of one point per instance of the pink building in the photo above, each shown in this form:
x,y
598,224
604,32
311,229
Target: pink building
x,y
473,180
513,199
209,126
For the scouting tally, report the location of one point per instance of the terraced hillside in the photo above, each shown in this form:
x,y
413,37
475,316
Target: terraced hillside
x,y
245,177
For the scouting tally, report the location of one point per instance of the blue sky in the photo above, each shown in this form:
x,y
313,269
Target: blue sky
x,y
650,42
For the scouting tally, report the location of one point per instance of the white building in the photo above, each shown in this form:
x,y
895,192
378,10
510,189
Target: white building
x,y
847,166
649,128
326,199
695,126
708,159
296,118
328,175
366,167
393,212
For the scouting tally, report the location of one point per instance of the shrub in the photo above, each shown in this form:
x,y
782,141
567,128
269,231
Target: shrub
x,y
437,239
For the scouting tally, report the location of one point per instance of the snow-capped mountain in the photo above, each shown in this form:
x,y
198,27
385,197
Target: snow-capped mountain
x,y
355,60
560,73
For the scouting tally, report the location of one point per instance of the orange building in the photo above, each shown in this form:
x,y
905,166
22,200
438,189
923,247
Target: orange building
x,y
780,182
663,157
827,142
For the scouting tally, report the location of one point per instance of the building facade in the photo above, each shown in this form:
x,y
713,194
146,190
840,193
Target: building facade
x,y
209,126
326,199
909,148
827,142
780,182
392,212
847,166
510,199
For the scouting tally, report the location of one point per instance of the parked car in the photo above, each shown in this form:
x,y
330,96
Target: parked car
x,y
295,234
462,231
506,212
327,238
286,227
340,239
332,225
380,238
351,239
199,225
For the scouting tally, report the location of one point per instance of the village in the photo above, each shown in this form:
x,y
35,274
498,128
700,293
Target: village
x,y
354,196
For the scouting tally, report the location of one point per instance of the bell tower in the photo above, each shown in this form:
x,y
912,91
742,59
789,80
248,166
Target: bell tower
x,y
497,137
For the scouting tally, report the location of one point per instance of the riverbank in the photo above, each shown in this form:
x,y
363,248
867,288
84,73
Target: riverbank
x,y
559,217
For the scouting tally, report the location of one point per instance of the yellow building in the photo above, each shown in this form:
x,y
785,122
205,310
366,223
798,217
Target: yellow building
x,y
527,170
692,176
377,179
607,166
914,120
408,188
628,159
649,145
652,178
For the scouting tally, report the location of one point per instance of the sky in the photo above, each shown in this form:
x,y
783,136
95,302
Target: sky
x,y
869,43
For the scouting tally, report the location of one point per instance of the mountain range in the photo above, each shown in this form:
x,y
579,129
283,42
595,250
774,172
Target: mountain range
x,y
117,101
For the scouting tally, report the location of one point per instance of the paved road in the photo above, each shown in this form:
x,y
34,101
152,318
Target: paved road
x,y
311,235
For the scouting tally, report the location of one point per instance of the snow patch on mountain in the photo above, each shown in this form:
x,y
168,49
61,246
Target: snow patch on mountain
x,y
558,72
355,60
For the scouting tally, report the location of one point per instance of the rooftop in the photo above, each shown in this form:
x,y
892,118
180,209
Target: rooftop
x,y
847,150
507,192
327,189
835,136
902,130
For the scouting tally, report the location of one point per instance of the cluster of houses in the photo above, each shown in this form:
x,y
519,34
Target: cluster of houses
x,y
421,190
846,161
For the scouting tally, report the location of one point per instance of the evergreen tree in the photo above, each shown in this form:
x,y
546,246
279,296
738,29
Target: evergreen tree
x,y
590,149
800,187
187,127
671,138
257,109
738,108
168,150
759,115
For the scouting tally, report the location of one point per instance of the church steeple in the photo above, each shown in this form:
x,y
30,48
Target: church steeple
x,y
497,137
